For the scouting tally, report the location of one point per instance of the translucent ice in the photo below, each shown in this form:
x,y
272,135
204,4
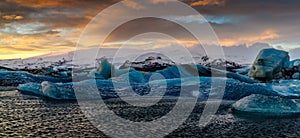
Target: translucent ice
x,y
14,78
171,87
286,88
269,64
267,105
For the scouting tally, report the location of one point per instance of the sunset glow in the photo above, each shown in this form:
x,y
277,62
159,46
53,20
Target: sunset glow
x,y
31,28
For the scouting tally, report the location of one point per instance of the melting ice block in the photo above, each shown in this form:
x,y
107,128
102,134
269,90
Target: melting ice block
x,y
267,105
268,64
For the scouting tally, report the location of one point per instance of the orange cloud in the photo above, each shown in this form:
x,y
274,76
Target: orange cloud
x,y
208,2
133,5
39,3
264,36
24,46
44,3
12,17
62,3
161,1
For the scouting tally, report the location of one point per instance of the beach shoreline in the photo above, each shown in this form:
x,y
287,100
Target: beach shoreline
x,y
31,116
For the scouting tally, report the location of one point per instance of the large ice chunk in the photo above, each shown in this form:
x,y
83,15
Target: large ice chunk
x,y
31,88
61,91
268,64
14,78
107,88
267,105
295,64
286,88
104,70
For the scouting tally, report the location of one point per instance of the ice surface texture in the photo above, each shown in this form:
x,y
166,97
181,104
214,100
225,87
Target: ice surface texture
x,y
267,105
106,88
269,63
14,78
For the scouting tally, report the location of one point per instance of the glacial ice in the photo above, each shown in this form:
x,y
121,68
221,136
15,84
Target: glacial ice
x,y
242,71
175,77
106,71
106,88
296,76
277,97
65,90
272,64
14,78
35,88
267,105
286,88
268,64
295,63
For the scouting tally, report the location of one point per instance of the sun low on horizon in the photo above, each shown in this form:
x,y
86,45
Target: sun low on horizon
x,y
31,28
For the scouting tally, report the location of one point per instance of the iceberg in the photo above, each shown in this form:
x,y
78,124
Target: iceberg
x,y
65,91
286,88
104,70
295,63
14,78
174,87
269,64
108,71
267,105
31,88
242,71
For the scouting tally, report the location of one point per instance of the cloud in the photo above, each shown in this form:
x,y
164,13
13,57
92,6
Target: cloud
x,y
12,17
145,25
208,2
61,3
161,1
133,5
250,39
206,19
25,29
294,53
245,7
47,25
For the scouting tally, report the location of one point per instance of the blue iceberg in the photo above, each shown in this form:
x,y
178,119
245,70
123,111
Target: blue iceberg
x,y
267,105
286,88
174,87
14,78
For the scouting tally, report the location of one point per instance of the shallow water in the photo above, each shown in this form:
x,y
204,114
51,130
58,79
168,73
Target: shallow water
x,y
32,116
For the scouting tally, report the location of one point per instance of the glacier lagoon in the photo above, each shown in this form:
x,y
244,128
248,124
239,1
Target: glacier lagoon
x,y
168,80
240,95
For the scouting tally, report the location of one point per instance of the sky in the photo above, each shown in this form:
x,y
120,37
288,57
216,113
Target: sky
x,y
35,27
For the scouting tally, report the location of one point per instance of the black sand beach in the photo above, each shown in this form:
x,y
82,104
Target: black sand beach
x,y
31,116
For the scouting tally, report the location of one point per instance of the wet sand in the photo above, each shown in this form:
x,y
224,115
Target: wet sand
x,y
31,116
